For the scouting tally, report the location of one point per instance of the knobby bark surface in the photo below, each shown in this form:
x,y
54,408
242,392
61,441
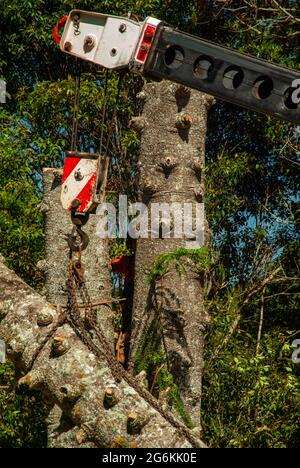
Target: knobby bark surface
x,y
171,169
95,258
55,265
75,379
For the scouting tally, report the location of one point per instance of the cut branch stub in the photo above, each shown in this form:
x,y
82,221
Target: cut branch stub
x,y
33,380
184,121
26,380
59,345
199,195
183,93
197,168
71,393
111,397
136,421
138,124
167,166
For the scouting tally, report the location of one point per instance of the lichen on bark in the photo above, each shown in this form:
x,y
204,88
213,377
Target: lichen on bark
x,y
171,170
76,381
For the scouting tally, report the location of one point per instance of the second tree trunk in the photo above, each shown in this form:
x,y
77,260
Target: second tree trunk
x,y
171,170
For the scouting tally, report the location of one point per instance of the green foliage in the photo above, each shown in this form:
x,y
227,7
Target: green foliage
x,y
21,236
248,400
151,358
182,257
22,414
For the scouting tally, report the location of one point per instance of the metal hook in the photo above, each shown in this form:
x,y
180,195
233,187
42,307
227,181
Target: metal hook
x,y
73,242
79,219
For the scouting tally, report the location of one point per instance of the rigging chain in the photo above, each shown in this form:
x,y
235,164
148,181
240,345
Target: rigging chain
x,y
106,158
76,107
79,219
90,333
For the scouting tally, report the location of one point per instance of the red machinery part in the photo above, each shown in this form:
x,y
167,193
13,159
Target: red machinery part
x,y
120,265
79,183
146,43
59,25
124,265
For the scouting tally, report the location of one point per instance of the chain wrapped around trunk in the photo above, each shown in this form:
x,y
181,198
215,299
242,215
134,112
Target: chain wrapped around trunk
x,y
84,324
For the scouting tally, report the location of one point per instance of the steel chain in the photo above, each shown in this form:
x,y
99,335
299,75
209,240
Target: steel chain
x,y
101,349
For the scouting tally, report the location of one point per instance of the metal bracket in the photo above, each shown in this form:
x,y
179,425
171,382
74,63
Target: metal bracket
x,y
79,181
110,41
105,40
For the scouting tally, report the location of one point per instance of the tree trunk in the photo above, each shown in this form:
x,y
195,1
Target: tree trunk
x,y
97,275
171,169
99,409
95,258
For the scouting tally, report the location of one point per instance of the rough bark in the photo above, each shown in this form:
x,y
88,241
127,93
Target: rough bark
x,y
95,258
171,169
75,380
97,274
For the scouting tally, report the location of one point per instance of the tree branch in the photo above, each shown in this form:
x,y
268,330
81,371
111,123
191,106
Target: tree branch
x,y
76,380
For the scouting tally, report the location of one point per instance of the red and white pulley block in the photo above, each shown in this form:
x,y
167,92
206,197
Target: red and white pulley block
x,y
79,182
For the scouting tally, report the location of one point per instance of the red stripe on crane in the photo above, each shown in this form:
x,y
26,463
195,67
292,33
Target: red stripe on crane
x,y
69,166
87,193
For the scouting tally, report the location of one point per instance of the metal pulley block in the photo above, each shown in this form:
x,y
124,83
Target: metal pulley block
x,y
79,181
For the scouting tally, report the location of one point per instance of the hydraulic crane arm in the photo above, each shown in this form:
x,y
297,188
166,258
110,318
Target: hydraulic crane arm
x,y
226,74
161,52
